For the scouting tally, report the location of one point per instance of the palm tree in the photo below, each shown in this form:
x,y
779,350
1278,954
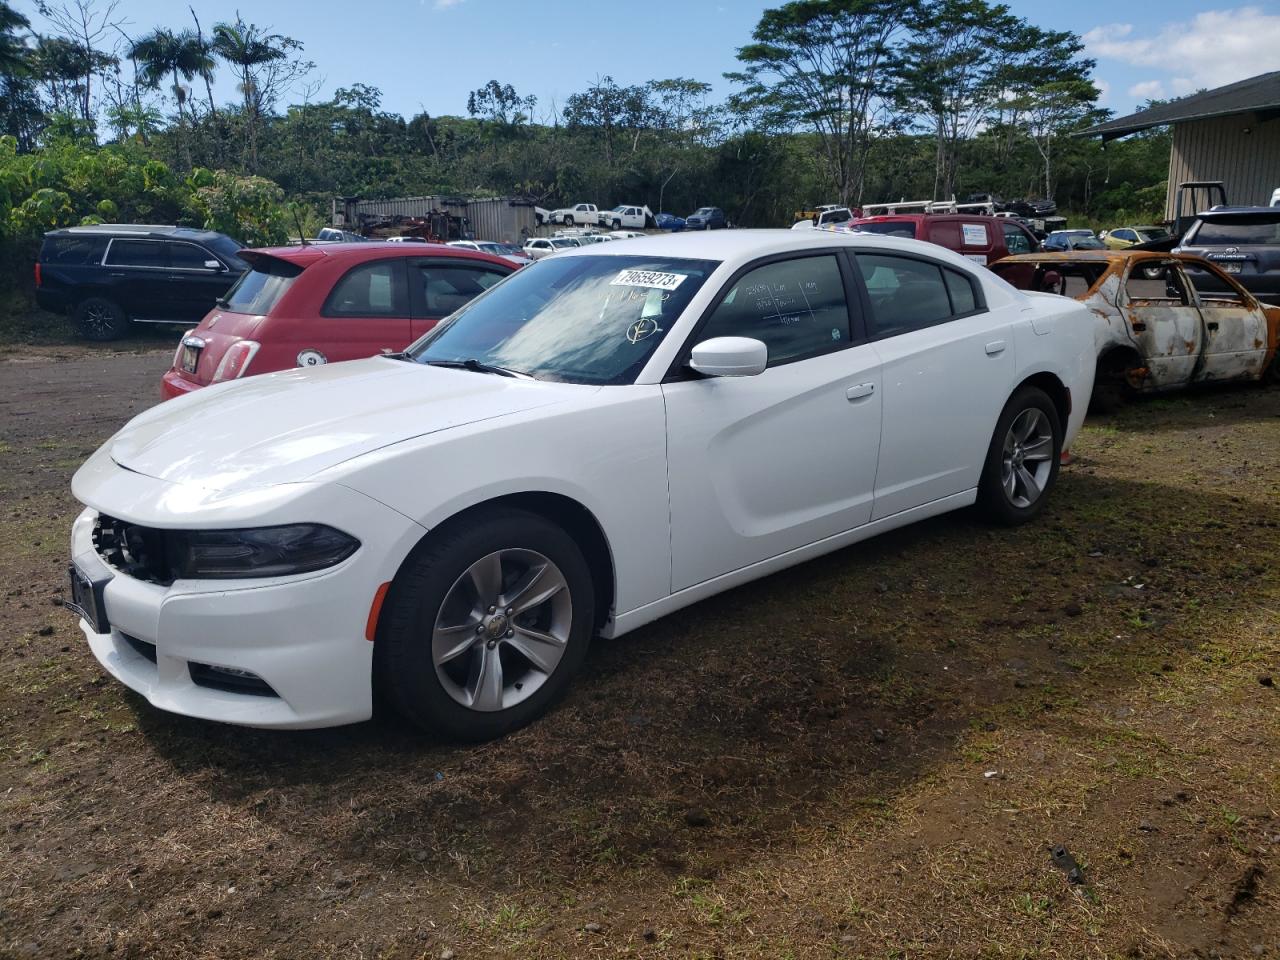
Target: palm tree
x,y
248,48
14,55
164,53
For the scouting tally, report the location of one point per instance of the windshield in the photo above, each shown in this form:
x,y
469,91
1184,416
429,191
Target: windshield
x,y
581,319
258,290
889,228
1244,230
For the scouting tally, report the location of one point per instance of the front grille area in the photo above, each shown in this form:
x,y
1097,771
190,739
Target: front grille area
x,y
139,552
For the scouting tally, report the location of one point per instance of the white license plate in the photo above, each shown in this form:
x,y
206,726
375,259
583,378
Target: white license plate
x,y
1230,267
190,357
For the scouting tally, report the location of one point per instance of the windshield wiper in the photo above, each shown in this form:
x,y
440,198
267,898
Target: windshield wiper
x,y
479,366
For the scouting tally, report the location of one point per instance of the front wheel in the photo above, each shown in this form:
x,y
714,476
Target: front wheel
x,y
1022,461
485,625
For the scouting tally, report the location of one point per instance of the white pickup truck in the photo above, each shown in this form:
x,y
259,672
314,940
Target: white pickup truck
x,y
629,217
584,214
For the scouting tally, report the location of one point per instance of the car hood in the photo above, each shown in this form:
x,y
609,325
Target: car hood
x,y
285,427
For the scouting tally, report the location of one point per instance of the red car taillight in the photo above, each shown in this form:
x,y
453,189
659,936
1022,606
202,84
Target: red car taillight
x,y
235,361
37,274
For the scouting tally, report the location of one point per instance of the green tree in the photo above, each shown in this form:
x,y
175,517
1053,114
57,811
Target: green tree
x,y
164,54
825,66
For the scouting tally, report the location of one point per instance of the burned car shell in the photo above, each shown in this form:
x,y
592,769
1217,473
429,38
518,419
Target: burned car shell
x,y
1155,328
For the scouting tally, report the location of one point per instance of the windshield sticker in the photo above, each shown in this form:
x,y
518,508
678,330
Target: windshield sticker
x,y
642,329
648,278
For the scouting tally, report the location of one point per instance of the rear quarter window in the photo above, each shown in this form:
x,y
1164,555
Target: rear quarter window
x,y
73,251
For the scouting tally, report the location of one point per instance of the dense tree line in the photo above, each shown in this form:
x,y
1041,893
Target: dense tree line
x,y
835,100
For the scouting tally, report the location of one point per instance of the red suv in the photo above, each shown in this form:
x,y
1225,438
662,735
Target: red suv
x,y
980,238
307,305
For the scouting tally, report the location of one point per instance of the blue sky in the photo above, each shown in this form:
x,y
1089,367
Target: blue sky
x,y
427,54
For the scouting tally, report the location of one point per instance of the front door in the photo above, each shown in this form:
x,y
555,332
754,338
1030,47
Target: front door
x,y
948,372
1235,328
194,286
365,314
759,466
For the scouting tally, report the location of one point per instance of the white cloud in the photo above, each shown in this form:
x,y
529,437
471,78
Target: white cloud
x,y
1147,90
1104,90
1213,48
446,4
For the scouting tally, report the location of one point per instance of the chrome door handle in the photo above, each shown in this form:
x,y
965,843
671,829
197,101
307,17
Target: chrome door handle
x,y
860,391
995,347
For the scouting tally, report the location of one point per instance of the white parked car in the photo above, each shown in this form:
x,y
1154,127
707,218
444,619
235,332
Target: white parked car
x,y
636,218
627,234
600,439
493,249
827,217
584,214
539,247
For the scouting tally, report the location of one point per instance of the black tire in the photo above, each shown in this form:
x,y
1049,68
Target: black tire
x,y
570,222
993,499
100,319
405,673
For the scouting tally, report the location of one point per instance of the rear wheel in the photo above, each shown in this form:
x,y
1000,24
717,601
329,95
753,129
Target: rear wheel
x,y
100,319
486,625
1111,387
1022,461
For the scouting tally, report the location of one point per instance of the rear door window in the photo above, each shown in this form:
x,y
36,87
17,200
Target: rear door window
x,y
370,290
908,294
137,253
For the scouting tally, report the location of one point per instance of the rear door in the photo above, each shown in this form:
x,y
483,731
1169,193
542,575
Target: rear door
x,y
439,286
948,372
138,278
366,313
1235,328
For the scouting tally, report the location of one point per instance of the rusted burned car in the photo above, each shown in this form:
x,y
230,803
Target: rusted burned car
x,y
1162,321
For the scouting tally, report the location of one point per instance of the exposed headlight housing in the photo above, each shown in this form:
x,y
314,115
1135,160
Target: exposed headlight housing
x,y
162,556
258,552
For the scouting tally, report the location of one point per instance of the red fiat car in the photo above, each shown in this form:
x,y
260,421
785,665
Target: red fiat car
x,y
303,306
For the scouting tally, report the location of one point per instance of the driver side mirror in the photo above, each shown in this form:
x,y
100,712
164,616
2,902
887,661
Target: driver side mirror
x,y
730,357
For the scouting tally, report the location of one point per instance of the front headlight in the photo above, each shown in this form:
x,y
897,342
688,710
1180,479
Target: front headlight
x,y
257,552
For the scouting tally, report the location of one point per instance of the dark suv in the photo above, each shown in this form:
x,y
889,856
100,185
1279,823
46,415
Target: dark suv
x,y
706,218
1242,241
106,276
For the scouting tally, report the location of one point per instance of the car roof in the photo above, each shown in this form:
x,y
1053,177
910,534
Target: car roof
x,y
1096,255
305,254
150,231
740,245
1235,211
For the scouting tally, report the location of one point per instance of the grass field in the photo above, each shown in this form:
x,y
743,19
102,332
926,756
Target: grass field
x,y
868,756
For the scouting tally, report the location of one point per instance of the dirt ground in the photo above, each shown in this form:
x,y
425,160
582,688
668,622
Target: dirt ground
x,y
868,756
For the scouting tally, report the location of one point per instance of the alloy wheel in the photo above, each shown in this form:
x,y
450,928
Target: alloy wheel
x,y
1027,459
502,629
98,319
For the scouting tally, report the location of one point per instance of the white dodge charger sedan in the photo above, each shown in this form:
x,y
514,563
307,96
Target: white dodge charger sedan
x,y
602,438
